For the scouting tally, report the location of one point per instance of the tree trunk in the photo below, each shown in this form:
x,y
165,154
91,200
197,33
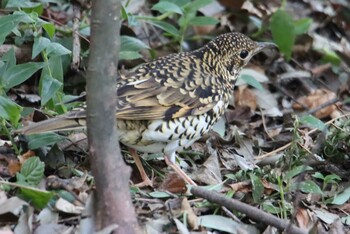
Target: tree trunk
x,y
114,205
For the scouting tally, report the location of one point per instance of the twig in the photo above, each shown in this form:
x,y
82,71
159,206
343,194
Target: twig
x,y
287,145
323,105
252,212
76,39
272,152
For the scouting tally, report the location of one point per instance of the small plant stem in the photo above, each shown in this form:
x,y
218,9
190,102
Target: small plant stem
x,y
280,185
8,134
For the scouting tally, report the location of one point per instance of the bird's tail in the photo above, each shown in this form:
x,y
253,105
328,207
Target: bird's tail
x,y
61,123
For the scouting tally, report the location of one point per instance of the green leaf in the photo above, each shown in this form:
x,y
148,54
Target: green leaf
x,y
309,186
37,198
203,20
56,49
39,9
131,44
331,57
21,4
124,13
8,23
250,80
282,28
165,6
224,224
332,178
270,208
36,141
301,26
9,110
32,170
50,29
9,60
196,4
313,122
129,55
342,198
40,44
49,87
19,73
159,194
258,187
318,175
296,171
56,67
166,27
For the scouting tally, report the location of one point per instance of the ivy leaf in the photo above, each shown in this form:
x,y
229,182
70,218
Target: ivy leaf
x,y
282,28
8,23
32,171
38,198
196,4
18,74
166,27
50,29
132,44
258,187
9,110
309,186
49,87
56,49
203,20
301,26
251,81
313,122
165,6
129,55
40,44
38,140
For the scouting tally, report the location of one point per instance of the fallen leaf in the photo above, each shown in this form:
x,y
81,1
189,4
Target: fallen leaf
x,y
67,207
245,97
192,218
174,184
316,99
26,156
244,186
302,218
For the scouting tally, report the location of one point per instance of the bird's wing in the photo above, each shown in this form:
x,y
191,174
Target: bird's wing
x,y
166,89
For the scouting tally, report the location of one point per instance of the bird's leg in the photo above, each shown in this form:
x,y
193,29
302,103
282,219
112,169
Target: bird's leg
x,y
145,180
178,170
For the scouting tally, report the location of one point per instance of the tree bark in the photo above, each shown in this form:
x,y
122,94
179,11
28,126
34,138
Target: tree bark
x,y
113,203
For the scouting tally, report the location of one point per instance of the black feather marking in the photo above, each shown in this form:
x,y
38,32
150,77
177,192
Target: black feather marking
x,y
168,115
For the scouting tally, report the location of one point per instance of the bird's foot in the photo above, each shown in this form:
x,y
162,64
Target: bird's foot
x,y
180,172
145,183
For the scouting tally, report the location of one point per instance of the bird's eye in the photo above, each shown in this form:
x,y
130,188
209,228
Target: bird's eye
x,y
244,54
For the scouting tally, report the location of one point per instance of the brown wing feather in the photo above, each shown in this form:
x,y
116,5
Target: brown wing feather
x,y
170,90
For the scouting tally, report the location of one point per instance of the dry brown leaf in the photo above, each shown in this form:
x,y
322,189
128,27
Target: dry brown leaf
x,y
25,156
14,166
302,218
316,99
268,189
244,186
245,97
173,183
192,218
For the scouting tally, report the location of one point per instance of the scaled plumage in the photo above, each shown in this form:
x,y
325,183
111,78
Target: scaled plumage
x,y
169,103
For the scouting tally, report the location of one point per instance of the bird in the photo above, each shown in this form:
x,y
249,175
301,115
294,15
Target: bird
x,y
167,104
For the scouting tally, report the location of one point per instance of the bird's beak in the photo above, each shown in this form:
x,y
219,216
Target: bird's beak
x,y
263,45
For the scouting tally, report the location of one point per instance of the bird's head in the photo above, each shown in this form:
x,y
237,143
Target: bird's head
x,y
234,50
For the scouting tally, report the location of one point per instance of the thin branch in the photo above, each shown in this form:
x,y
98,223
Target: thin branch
x,y
252,212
